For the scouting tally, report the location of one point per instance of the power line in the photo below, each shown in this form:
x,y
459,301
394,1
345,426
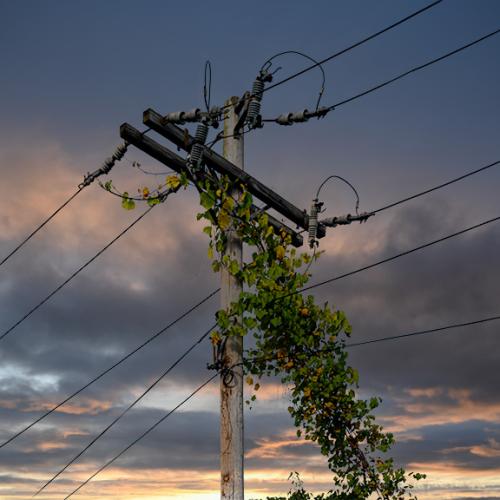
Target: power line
x,y
416,68
330,280
343,51
316,285
107,370
78,271
389,259
46,221
88,179
364,268
323,111
444,184
353,46
144,434
423,332
126,410
383,339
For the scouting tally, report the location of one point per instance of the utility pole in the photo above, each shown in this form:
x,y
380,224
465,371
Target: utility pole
x,y
230,164
231,382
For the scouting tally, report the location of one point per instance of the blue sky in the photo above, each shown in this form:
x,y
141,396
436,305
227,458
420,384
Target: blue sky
x,y
72,72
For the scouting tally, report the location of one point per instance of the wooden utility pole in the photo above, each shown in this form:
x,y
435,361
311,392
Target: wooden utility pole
x,y
231,383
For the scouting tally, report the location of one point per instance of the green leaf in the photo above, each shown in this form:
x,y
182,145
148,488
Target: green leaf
x,y
155,200
127,203
206,201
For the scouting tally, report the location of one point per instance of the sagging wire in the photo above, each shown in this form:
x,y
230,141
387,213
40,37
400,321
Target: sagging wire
x,y
207,87
344,181
317,208
267,65
138,166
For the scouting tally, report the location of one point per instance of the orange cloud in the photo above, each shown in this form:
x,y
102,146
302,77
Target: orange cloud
x,y
431,412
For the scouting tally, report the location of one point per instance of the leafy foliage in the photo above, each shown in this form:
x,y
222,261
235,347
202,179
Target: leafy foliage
x,y
301,342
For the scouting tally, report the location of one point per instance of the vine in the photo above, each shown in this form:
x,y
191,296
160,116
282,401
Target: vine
x,y
301,342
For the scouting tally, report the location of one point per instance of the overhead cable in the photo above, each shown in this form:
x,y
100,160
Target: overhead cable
x,y
304,116
107,370
424,332
141,436
389,259
45,222
383,339
439,186
88,179
353,46
127,409
78,271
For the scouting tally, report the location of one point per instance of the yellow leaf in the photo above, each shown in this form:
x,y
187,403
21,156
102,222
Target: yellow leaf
x,y
145,192
280,252
215,338
249,380
304,312
224,220
173,181
210,253
307,392
228,204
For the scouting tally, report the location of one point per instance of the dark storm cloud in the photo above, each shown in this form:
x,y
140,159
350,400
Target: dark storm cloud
x,y
453,282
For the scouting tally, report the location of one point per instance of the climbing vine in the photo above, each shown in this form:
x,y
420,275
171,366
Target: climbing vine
x,y
299,341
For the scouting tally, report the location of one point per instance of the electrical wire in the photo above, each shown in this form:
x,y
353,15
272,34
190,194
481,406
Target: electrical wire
x,y
347,49
144,434
389,259
207,85
78,271
302,290
416,68
268,63
46,221
402,75
383,261
353,46
346,182
129,407
444,184
112,367
364,268
372,341
424,332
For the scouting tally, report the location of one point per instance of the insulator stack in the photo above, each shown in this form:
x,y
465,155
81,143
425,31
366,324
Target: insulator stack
x,y
198,146
108,164
195,115
181,117
313,223
301,116
253,114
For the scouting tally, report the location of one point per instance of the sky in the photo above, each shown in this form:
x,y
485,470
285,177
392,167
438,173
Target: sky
x,y
72,72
